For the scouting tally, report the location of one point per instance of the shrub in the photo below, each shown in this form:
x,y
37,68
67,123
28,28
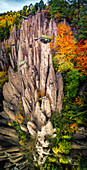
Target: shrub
x,y
3,78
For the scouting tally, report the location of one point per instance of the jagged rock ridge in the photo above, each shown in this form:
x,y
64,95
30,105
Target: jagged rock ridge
x,y
35,74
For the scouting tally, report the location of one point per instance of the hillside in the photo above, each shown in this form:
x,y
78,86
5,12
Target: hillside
x,y
43,88
74,11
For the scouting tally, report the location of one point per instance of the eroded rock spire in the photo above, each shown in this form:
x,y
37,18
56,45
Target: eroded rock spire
x,y
35,84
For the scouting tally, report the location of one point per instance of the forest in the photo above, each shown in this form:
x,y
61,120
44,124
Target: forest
x,y
69,56
75,13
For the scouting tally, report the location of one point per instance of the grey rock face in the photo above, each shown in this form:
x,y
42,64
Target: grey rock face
x,y
34,84
80,139
16,79
60,94
46,106
36,54
42,143
38,111
80,134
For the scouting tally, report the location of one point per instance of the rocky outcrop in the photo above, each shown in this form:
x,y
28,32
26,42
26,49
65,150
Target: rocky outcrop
x,y
39,111
79,141
34,85
42,144
13,157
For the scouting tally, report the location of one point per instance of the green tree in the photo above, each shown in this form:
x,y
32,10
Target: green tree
x,y
6,31
1,33
41,5
24,10
82,24
78,11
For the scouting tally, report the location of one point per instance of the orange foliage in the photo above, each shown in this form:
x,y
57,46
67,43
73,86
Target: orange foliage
x,y
72,127
81,57
79,102
65,43
67,48
42,93
19,118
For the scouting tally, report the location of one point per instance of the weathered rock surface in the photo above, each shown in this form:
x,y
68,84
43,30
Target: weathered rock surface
x,y
46,130
46,106
37,54
35,75
60,94
81,133
79,141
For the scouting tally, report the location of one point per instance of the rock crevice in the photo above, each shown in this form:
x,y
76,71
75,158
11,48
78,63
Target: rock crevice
x,y
35,83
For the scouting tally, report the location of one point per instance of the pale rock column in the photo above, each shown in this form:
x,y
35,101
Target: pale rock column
x,y
45,50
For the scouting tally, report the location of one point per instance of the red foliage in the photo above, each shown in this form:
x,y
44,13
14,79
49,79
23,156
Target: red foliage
x,y
81,57
67,48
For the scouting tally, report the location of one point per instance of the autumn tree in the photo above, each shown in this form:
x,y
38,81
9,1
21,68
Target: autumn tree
x,y
64,45
68,52
80,58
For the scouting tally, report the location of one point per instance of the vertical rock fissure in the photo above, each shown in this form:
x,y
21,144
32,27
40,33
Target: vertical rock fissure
x,y
47,76
34,81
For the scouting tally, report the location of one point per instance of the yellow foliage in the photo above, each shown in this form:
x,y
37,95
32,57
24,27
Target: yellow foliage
x,y
35,164
64,65
21,108
19,26
2,23
28,117
56,150
56,15
80,6
21,142
31,8
52,159
20,102
3,78
2,74
63,160
11,28
9,124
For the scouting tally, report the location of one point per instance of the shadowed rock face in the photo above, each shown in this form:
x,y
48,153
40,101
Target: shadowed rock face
x,y
38,54
39,111
23,43
80,139
35,74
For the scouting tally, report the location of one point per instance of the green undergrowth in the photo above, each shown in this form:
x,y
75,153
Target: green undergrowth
x,y
66,126
26,142
74,115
